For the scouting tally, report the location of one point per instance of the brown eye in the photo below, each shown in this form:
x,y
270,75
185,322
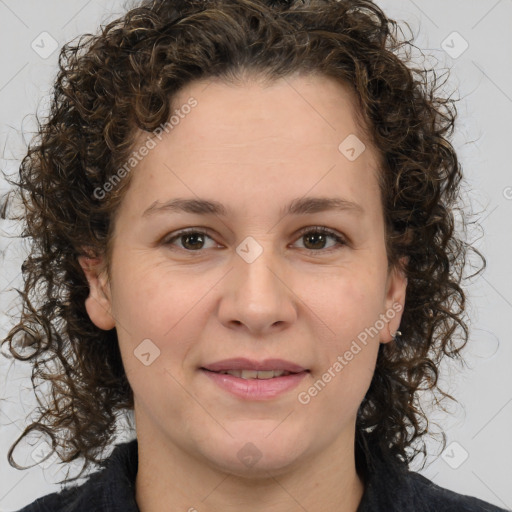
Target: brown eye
x,y
191,240
316,238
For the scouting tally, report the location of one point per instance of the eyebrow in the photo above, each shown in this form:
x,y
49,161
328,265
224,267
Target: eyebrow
x,y
299,206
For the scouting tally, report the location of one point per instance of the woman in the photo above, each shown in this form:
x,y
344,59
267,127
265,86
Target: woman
x,y
242,222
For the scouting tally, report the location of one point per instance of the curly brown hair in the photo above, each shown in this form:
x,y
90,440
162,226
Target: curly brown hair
x,y
123,80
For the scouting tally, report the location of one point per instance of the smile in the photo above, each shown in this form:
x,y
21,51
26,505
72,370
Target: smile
x,y
253,374
254,385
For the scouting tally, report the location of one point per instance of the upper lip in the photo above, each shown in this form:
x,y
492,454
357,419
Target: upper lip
x,y
241,363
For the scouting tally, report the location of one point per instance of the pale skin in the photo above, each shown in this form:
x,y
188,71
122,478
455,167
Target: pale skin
x,y
252,148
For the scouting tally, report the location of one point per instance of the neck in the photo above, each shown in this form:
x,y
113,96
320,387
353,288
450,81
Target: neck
x,y
169,478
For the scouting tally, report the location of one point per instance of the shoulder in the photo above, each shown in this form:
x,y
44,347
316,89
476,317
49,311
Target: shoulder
x,y
392,487
71,499
109,489
440,499
68,499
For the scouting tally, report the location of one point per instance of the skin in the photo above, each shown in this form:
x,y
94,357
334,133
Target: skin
x,y
254,148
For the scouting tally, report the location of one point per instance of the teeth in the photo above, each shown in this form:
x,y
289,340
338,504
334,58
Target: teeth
x,y
253,374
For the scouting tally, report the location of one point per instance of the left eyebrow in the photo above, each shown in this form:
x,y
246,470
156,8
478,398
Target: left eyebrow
x,y
299,206
309,205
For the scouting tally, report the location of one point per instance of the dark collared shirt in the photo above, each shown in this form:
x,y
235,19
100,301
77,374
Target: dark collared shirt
x,y
389,488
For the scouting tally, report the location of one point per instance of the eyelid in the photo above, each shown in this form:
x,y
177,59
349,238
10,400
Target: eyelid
x,y
322,229
167,239
341,240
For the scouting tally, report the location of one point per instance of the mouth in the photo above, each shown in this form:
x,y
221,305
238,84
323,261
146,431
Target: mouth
x,y
255,380
254,369
255,374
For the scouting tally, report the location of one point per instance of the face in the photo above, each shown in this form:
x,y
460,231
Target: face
x,y
252,280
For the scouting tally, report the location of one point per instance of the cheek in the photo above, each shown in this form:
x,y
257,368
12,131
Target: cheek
x,y
348,305
349,349
149,301
151,323
155,329
337,391
349,346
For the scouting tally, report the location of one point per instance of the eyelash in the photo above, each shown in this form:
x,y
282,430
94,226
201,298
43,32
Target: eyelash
x,y
340,241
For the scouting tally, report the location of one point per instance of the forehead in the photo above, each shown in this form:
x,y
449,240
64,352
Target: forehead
x,y
300,109
256,138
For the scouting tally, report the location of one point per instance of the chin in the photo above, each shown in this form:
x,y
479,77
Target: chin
x,y
255,451
262,466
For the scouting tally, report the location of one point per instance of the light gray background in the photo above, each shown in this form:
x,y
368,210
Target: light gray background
x,y
480,428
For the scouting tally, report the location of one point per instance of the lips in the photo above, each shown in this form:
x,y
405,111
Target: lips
x,y
255,374
255,380
247,368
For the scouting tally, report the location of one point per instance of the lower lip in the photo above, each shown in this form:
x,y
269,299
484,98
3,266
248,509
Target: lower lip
x,y
255,389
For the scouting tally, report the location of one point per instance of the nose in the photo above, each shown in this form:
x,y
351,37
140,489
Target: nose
x,y
257,296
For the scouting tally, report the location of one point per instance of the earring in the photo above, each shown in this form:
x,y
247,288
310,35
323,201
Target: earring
x,y
395,336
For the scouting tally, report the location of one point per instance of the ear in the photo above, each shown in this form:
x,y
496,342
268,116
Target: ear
x,y
395,301
98,304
